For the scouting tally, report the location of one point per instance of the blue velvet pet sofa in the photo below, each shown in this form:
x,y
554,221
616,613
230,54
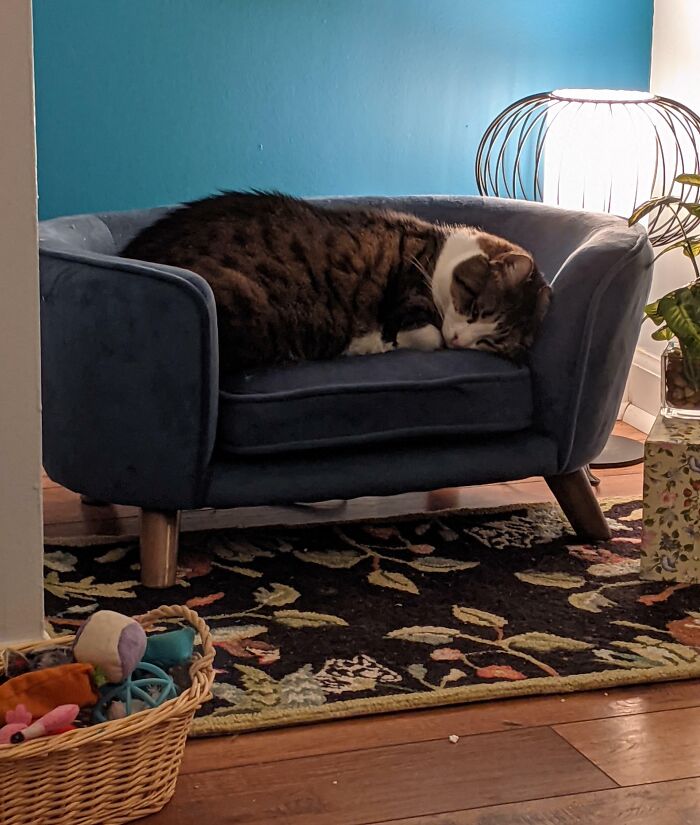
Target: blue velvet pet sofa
x,y
136,412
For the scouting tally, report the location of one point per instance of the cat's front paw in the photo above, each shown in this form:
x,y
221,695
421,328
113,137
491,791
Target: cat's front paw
x,y
425,339
370,344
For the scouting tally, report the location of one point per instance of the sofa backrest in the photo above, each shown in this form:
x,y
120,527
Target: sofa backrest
x,y
106,233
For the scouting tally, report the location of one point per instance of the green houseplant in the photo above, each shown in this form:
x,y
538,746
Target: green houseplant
x,y
677,314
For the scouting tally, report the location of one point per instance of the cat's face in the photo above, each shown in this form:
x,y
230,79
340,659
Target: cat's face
x,y
490,295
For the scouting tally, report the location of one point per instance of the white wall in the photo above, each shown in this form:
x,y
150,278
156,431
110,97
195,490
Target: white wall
x,y
21,607
675,73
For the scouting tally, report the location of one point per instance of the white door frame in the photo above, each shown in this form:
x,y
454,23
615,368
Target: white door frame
x,y
21,533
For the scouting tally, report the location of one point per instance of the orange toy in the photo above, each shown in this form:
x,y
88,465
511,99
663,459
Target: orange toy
x,y
40,691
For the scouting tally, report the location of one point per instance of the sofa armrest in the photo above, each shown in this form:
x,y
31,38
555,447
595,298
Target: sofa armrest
x,y
129,378
582,355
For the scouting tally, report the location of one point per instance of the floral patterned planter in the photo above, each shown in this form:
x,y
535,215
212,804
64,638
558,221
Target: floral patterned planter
x,y
670,548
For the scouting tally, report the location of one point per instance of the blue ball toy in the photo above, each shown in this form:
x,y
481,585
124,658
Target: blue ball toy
x,y
148,685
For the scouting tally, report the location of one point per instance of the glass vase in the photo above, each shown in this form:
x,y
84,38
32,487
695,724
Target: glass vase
x,y
680,383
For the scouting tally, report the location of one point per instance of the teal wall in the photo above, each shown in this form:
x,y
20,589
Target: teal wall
x,y
142,102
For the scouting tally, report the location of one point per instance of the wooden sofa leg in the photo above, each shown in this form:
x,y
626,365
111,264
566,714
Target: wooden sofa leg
x,y
92,502
577,500
160,530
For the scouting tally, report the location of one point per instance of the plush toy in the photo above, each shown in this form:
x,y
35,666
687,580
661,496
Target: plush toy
x,y
58,720
16,720
40,691
111,642
170,649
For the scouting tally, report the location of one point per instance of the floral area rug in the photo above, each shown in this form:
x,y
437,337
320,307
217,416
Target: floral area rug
x,y
337,620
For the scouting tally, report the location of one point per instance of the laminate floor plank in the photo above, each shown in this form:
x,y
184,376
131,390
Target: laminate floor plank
x,y
426,778
651,747
664,803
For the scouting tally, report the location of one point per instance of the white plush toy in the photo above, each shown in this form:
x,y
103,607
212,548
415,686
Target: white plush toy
x,y
112,642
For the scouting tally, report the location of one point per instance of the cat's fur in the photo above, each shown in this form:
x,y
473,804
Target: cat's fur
x,y
295,281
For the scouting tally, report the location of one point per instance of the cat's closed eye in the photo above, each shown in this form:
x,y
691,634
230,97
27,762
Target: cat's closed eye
x,y
488,343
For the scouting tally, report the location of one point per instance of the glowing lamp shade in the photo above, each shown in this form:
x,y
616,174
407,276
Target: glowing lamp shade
x,y
596,149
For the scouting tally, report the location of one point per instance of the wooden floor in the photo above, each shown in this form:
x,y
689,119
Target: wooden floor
x,y
630,755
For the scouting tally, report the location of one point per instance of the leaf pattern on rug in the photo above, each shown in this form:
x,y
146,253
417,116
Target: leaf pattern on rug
x,y
306,619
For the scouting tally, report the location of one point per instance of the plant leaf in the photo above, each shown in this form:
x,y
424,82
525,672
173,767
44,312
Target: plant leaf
x,y
690,179
87,589
545,642
591,601
395,581
662,334
564,580
335,559
81,608
693,208
238,550
203,601
470,615
260,687
438,564
652,312
418,672
649,206
681,311
298,618
115,554
421,549
454,675
694,240
61,561
608,570
428,634
229,633
635,625
279,595
242,571
500,672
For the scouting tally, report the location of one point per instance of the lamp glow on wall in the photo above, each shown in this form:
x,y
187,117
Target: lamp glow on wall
x,y
597,149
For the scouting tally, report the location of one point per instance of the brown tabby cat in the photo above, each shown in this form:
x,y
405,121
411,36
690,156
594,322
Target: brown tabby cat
x,y
295,281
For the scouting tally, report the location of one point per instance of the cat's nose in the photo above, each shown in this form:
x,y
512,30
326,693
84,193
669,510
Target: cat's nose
x,y
455,340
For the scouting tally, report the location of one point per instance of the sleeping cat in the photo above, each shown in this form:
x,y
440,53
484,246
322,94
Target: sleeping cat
x,y
295,281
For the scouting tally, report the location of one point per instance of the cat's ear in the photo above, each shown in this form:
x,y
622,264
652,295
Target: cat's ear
x,y
515,266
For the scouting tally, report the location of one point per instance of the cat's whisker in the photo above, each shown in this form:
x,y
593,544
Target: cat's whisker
x,y
427,278
419,266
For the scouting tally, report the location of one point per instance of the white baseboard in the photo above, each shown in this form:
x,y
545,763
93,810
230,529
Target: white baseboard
x,y
643,391
648,362
638,418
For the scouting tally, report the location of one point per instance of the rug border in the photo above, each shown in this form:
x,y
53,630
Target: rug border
x,y
540,686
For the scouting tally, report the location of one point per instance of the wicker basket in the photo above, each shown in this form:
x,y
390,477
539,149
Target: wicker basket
x,y
109,773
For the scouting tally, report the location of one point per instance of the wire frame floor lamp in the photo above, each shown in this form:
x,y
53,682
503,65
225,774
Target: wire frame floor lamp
x,y
595,149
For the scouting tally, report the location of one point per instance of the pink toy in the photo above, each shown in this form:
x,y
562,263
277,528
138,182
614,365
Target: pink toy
x,y
20,728
17,720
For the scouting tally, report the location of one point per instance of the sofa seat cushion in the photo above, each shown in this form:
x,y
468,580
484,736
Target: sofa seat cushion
x,y
372,398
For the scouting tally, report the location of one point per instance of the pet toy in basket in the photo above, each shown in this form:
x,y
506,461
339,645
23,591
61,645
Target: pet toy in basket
x,y
114,771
